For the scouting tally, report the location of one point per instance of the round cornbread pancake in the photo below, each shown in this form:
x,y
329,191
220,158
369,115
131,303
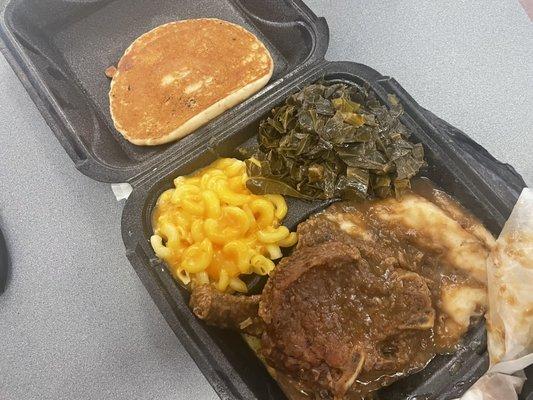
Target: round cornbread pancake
x,y
180,75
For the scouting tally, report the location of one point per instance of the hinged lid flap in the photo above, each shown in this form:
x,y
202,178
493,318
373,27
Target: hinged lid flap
x,y
60,49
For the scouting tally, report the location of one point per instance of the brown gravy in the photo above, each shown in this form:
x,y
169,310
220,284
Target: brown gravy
x,y
373,228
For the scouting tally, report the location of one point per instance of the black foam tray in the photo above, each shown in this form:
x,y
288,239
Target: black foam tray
x,y
59,50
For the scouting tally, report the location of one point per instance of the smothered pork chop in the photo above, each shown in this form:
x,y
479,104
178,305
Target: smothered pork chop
x,y
329,314
373,291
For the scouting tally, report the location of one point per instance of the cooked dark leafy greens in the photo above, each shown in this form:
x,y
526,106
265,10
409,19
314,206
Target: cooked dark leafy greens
x,y
334,141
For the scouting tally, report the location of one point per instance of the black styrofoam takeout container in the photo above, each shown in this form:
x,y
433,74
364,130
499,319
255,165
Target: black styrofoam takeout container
x,y
60,49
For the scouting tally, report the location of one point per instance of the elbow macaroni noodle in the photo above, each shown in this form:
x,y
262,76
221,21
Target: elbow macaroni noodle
x,y
211,228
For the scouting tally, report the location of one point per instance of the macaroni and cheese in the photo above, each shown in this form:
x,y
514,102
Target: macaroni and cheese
x,y
211,228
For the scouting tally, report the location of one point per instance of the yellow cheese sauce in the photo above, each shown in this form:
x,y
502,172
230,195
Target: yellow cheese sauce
x,y
211,228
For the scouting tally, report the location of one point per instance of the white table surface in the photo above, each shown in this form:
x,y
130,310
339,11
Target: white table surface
x,y
75,321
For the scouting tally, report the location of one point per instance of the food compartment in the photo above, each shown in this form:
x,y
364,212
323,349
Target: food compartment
x,y
60,50
222,355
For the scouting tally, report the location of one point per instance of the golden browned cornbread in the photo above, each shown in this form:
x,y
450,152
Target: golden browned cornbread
x,y
180,75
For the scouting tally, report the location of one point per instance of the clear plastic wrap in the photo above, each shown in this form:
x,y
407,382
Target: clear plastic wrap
x,y
510,316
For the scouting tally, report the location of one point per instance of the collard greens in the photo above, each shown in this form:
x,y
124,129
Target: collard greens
x,y
334,141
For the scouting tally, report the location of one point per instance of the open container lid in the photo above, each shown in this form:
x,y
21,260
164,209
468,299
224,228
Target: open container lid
x,y
60,49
